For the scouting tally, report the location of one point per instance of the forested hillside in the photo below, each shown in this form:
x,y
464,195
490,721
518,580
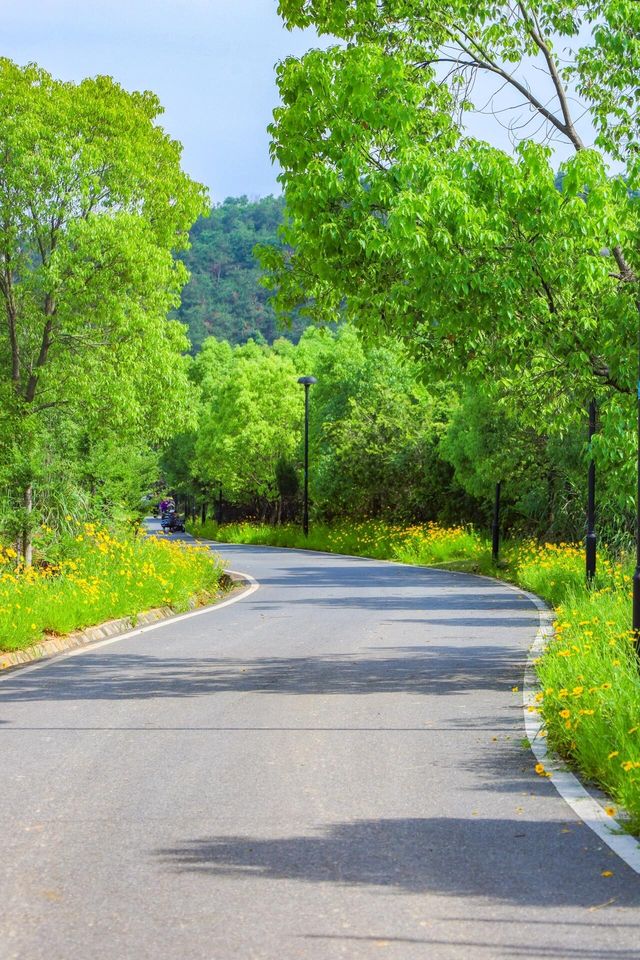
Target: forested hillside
x,y
224,297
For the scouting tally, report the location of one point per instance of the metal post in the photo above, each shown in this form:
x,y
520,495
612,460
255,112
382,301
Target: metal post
x,y
220,505
495,527
306,382
591,541
305,517
636,575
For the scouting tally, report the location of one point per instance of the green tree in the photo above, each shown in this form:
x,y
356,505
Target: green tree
x,y
485,264
93,204
375,430
387,442
487,440
250,421
224,297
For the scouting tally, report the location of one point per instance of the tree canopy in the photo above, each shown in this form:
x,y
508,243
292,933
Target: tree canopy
x,y
383,441
491,268
93,207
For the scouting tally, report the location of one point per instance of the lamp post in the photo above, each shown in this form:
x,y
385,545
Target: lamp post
x,y
495,527
590,542
306,383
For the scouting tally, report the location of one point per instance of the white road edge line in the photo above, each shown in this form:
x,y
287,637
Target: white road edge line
x,y
78,651
590,811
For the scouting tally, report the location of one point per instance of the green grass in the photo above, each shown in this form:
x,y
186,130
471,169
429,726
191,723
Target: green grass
x,y
590,699
97,576
590,685
370,538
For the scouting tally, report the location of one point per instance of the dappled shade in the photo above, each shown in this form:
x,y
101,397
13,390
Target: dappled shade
x,y
427,671
441,855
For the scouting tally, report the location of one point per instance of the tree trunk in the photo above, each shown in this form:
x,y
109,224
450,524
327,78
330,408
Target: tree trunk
x,y
27,538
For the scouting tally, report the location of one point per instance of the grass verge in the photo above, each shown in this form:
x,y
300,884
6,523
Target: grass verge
x,y
95,576
590,685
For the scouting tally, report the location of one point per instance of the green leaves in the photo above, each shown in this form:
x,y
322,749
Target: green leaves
x,y
484,263
250,419
93,205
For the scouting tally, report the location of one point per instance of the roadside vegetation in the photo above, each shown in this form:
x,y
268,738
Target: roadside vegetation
x,y
590,689
496,296
465,307
93,575
93,373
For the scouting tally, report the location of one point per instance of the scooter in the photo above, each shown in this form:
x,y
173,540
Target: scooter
x,y
172,523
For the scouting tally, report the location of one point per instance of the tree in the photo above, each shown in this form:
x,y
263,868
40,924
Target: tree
x,y
224,297
250,424
487,440
404,223
93,204
374,430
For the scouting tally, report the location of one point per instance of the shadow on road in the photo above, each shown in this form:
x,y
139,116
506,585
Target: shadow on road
x,y
497,860
436,669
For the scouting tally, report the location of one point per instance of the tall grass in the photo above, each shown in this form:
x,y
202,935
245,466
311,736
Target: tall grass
x,y
430,543
590,683
95,576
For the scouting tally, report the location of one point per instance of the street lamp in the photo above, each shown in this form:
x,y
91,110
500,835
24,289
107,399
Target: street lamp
x,y
306,383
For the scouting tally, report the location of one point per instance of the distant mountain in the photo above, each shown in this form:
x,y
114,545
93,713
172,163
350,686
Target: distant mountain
x,y
224,298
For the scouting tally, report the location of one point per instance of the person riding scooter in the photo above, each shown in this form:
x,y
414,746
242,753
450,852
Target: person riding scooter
x,y
170,521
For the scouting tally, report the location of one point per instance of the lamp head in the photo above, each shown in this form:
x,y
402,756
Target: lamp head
x,y
307,381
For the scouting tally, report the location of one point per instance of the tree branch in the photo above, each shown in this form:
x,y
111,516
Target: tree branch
x,y
536,35
480,59
6,286
601,370
45,346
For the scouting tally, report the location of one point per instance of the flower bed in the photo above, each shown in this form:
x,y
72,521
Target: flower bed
x,y
96,576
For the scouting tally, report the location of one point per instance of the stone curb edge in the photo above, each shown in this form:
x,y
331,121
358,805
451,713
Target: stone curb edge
x,y
52,646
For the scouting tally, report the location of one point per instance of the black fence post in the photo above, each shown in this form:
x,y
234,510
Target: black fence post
x,y
495,527
591,540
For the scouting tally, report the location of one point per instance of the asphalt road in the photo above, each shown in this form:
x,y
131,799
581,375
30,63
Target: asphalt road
x,y
331,767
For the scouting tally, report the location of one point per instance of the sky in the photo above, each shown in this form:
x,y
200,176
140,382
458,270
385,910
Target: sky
x,y
211,62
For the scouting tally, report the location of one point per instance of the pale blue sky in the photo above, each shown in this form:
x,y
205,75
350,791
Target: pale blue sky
x,y
210,62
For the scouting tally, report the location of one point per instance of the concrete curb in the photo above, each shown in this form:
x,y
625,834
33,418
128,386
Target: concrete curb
x,y
52,646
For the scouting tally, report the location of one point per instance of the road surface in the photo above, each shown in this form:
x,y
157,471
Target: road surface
x,y
331,767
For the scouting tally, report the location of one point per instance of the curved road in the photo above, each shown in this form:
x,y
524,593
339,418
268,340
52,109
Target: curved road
x,y
331,767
